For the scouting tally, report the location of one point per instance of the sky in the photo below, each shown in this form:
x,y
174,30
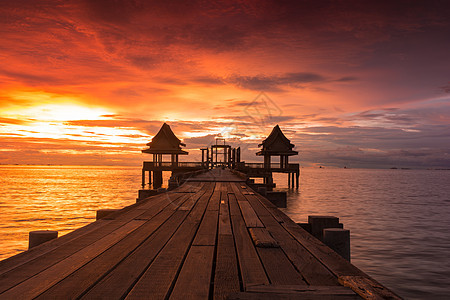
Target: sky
x,y
350,83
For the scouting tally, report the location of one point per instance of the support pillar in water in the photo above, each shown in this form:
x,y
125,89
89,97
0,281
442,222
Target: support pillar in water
x,y
157,179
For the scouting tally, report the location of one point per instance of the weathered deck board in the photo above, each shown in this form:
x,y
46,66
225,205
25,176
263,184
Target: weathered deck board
x,y
195,276
159,278
251,268
78,282
35,285
312,270
226,277
213,237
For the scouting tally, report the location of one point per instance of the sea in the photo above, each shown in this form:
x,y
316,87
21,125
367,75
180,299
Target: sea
x,y
399,220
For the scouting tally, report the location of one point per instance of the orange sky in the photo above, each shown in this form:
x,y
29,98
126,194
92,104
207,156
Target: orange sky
x,y
350,83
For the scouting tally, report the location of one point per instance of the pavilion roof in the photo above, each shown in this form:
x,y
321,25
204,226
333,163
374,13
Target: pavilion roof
x,y
165,142
277,144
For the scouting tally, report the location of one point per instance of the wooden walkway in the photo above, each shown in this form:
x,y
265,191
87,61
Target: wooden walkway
x,y
213,239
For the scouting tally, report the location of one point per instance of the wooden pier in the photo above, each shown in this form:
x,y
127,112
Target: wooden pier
x,y
211,238
220,154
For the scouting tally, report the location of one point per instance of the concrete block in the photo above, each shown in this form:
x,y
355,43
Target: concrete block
x,y
338,239
305,226
103,213
143,194
319,223
35,238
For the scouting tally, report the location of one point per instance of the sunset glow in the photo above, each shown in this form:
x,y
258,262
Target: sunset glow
x,y
91,82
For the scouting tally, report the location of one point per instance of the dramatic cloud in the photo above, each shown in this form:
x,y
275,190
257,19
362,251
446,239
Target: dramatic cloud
x,y
350,82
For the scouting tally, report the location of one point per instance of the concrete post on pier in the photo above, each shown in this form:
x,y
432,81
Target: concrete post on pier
x,y
338,239
35,238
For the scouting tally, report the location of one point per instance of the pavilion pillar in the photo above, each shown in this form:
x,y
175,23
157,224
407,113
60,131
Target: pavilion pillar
x,y
157,179
233,157
267,161
225,155
143,178
289,180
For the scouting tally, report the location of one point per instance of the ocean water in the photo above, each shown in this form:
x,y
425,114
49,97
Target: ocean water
x,y
399,219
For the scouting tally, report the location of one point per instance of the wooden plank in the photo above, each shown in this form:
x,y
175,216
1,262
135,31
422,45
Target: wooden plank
x,y
118,281
233,206
33,267
287,296
367,288
124,215
226,276
206,235
224,217
311,289
82,279
311,269
158,279
28,256
192,199
262,238
77,241
278,267
195,275
330,259
250,217
37,284
215,199
168,204
252,271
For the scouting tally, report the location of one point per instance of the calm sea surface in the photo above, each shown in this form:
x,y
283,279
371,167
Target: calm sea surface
x,y
399,219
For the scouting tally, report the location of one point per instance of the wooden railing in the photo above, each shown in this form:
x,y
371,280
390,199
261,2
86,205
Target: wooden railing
x,y
168,164
272,166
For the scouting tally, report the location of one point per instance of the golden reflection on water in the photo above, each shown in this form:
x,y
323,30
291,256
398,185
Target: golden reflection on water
x,y
61,198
